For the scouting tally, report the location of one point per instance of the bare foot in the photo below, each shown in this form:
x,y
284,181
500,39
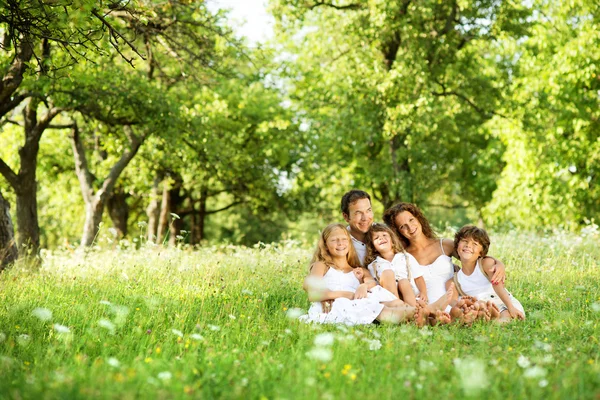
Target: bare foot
x,y
421,315
468,317
443,301
494,312
442,318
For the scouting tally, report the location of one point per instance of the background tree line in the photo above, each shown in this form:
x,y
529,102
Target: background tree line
x,y
158,114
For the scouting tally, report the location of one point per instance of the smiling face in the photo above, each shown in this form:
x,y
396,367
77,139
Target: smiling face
x,y
359,217
338,243
469,249
382,242
408,225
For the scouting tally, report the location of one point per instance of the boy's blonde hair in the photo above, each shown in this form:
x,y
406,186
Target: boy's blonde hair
x,y
371,252
322,253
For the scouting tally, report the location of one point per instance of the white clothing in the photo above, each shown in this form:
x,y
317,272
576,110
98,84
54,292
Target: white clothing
x,y
346,311
400,265
359,247
437,274
479,286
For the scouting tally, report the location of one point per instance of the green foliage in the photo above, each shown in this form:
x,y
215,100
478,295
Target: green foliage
x,y
213,324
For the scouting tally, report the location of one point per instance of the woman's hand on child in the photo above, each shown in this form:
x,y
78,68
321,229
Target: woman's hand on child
x,y
326,306
361,292
499,275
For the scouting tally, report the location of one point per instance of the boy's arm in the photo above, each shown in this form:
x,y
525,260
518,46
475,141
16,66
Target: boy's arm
x,y
420,282
500,290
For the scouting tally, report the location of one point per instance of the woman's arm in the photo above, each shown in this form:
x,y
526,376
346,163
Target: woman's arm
x,y
498,272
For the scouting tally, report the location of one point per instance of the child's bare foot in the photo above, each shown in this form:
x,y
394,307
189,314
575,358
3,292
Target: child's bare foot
x,y
442,318
494,312
421,315
468,317
443,301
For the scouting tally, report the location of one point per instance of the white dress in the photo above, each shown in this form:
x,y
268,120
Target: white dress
x,y
437,274
404,266
345,311
479,286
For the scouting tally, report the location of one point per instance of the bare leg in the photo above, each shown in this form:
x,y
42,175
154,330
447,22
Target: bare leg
x,y
443,301
396,315
408,294
504,317
394,303
494,312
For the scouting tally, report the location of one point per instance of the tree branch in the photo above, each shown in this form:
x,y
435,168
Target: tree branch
x,y
9,174
86,178
235,203
352,6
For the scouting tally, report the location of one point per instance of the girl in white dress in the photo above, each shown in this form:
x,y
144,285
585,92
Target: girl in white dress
x,y
395,269
332,281
471,244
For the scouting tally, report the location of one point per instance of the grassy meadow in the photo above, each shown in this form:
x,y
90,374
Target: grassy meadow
x,y
220,322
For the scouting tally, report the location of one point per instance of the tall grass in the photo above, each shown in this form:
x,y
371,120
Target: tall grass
x,y
219,323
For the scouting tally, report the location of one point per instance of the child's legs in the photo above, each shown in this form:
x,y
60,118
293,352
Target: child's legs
x,y
407,292
394,303
396,315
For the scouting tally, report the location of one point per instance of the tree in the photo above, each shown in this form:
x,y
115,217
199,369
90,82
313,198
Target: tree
x,y
8,248
398,91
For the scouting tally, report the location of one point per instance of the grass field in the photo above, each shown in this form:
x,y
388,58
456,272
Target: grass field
x,y
219,323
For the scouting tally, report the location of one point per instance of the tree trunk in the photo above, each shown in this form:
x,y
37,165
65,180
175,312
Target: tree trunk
x,y
176,200
118,210
165,209
8,248
153,210
94,202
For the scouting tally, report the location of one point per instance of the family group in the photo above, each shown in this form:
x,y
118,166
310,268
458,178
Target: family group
x,y
400,271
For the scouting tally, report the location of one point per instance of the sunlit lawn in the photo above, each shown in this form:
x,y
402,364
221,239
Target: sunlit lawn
x,y
219,322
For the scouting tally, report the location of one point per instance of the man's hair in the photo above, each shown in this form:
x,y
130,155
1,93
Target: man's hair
x,y
477,234
352,196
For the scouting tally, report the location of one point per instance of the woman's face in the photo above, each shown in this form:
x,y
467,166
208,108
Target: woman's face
x,y
408,225
338,243
382,242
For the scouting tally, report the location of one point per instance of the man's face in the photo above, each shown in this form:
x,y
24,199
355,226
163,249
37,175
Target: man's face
x,y
360,216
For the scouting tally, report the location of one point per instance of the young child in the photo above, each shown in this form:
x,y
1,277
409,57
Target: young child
x,y
471,245
395,269
333,280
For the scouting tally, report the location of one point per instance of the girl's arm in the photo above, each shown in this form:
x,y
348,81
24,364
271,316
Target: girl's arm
x,y
420,282
388,281
500,290
368,283
315,288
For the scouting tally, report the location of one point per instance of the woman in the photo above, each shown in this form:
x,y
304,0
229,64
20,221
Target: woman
x,y
433,254
332,277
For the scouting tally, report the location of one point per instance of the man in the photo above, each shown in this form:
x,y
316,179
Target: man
x,y
357,211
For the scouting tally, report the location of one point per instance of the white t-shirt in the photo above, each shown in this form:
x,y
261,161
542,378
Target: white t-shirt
x,y
400,265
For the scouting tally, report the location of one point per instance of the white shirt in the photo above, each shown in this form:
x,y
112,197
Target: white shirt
x,y
360,248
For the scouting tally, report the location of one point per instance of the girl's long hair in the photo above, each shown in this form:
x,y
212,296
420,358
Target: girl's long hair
x,y
322,253
389,217
372,253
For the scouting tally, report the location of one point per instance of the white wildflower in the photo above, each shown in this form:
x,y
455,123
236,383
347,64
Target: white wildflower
x,y
473,377
543,383
23,339
177,332
231,316
214,328
43,314
105,302
535,372
596,307
165,376
374,344
61,328
2,337
523,361
320,354
106,324
113,362
324,339
294,313
195,336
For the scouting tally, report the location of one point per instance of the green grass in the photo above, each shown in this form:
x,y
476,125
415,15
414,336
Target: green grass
x,y
213,323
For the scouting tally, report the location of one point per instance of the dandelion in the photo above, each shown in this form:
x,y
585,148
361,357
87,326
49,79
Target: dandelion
x,y
294,313
177,332
472,375
165,376
374,345
61,328
43,314
113,362
324,339
320,354
106,324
